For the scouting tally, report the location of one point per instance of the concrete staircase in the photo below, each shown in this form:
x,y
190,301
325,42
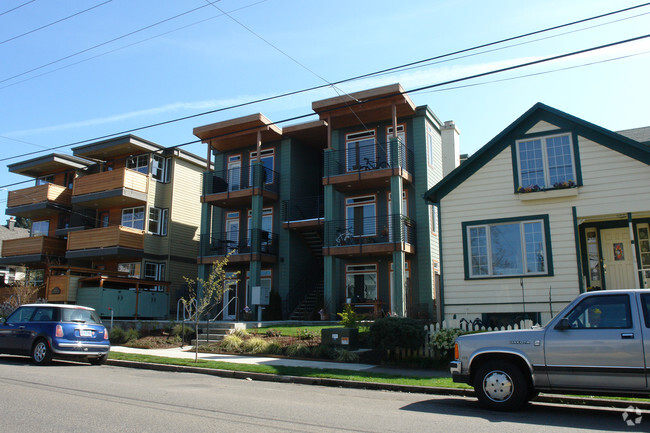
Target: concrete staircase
x,y
213,333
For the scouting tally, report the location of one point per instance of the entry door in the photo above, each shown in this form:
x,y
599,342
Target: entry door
x,y
618,258
234,174
232,235
229,294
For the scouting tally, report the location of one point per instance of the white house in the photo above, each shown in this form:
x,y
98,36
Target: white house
x,y
549,208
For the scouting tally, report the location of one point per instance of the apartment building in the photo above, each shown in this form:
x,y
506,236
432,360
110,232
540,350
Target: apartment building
x,y
125,206
329,212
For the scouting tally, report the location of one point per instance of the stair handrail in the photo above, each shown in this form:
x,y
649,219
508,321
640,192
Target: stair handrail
x,y
187,308
298,292
236,299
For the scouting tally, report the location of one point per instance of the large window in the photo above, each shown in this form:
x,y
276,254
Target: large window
x,y
361,282
359,150
40,228
155,271
360,215
546,162
507,248
161,168
138,163
158,221
133,217
267,157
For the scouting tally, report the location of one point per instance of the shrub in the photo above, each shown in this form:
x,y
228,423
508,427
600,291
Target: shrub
x,y
297,350
273,333
345,355
131,335
209,347
255,345
177,331
273,348
241,332
306,334
117,335
323,352
392,332
442,342
231,343
349,317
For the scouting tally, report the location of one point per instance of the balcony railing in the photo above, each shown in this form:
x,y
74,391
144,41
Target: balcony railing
x,y
33,245
110,180
370,230
221,244
241,178
39,194
304,208
114,236
368,158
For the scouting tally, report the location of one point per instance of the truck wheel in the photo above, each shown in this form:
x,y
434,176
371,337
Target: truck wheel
x,y
501,385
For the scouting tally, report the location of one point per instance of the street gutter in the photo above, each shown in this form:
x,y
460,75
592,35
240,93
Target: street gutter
x,y
377,386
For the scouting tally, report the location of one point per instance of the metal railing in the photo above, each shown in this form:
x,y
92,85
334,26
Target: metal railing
x,y
257,241
356,159
304,208
370,230
241,178
236,300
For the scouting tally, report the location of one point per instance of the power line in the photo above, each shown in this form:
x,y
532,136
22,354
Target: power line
x,y
54,22
383,71
102,44
17,7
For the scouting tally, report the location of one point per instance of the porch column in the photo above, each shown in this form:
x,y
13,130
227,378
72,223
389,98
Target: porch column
x,y
398,298
257,204
330,295
637,269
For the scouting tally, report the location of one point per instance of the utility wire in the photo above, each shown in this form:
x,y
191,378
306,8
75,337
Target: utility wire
x,y
102,44
418,90
17,7
54,22
383,71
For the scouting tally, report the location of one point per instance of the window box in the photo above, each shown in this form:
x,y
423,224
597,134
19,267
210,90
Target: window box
x,y
548,194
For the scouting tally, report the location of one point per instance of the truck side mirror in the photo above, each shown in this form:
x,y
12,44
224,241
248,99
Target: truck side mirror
x,y
563,324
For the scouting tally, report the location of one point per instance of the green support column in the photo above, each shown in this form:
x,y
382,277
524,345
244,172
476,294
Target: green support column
x,y
398,301
330,293
257,204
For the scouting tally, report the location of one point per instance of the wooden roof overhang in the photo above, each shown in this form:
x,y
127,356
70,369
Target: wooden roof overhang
x,y
48,164
237,133
372,105
311,133
115,147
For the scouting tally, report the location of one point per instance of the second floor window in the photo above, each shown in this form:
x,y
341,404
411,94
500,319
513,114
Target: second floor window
x,y
133,217
161,168
158,221
138,163
546,162
40,228
44,180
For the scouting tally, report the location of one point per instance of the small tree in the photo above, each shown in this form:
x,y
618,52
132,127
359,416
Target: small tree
x,y
22,292
204,293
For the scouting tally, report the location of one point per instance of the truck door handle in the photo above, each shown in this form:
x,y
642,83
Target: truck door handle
x,y
627,336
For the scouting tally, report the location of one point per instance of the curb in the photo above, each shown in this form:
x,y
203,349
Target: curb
x,y
377,386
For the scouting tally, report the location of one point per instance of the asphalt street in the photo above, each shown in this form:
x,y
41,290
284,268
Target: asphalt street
x,y
67,397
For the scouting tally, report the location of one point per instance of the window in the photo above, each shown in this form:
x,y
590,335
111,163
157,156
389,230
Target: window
x,y
44,180
158,221
267,157
161,168
507,248
138,163
103,219
361,282
267,225
40,228
430,137
360,215
69,179
545,162
434,219
133,269
607,311
156,272
359,150
133,217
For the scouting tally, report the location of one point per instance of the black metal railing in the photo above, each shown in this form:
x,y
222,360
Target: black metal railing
x,y
256,241
304,208
311,278
355,159
370,230
240,178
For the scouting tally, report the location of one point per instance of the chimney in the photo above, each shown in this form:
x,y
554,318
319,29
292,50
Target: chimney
x,y
11,222
450,147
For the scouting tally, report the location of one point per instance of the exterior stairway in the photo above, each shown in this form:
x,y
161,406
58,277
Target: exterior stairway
x,y
307,306
214,333
314,240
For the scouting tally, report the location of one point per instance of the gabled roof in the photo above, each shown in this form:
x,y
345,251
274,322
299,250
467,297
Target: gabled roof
x,y
517,129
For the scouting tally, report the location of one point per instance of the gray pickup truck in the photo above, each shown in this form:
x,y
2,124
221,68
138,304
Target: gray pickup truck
x,y
599,344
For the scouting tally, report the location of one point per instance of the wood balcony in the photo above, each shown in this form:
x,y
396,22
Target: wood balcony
x,y
115,237
38,245
38,201
123,187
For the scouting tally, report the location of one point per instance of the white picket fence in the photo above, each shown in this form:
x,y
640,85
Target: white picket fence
x,y
426,351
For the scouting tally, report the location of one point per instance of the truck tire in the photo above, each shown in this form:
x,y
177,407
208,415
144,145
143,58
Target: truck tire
x,y
501,385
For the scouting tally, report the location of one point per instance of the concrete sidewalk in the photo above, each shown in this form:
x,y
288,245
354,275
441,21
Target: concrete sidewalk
x,y
188,353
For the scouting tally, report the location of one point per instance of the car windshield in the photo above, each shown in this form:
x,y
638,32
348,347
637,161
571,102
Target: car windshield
x,y
79,315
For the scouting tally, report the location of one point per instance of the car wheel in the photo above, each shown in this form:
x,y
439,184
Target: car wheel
x,y
99,360
41,352
501,385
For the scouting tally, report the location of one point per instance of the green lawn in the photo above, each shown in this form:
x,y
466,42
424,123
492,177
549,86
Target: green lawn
x,y
290,331
296,371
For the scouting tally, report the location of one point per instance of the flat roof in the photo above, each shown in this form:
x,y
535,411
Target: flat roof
x,y
48,164
312,133
239,132
123,145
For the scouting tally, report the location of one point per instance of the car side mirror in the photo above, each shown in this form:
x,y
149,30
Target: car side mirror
x,y
563,324
2,320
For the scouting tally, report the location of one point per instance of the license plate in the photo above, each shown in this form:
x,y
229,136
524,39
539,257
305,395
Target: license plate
x,y
86,333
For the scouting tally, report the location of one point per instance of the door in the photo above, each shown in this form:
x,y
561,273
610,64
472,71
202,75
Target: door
x,y
232,235
229,302
618,261
602,349
14,333
234,173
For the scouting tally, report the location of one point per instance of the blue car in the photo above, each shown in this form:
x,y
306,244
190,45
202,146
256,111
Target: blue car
x,y
46,331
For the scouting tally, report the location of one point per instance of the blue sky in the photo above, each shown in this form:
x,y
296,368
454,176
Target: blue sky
x,y
205,60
